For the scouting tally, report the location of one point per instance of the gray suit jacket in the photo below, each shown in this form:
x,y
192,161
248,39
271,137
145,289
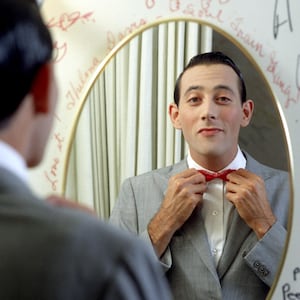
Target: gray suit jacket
x,y
55,253
247,267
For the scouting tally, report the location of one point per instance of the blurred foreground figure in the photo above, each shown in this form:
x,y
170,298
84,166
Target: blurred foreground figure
x,y
46,251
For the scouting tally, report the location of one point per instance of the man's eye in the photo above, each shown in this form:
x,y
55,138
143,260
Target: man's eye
x,y
194,100
223,99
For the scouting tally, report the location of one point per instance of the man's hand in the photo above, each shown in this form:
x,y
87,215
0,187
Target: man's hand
x,y
61,201
184,193
246,191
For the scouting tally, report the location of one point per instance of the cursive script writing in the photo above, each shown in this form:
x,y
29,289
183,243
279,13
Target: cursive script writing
x,y
67,20
51,176
174,5
59,141
279,81
75,89
59,51
64,22
150,3
240,33
204,11
278,21
112,39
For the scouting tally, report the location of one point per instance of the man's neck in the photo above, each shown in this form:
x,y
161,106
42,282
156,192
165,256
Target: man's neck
x,y
11,160
215,164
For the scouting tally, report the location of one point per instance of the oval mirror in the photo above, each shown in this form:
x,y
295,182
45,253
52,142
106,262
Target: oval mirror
x,y
123,128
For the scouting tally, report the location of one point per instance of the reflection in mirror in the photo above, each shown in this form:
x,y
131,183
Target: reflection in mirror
x,y
124,129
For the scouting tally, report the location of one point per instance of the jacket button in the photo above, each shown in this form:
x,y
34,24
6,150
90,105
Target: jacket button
x,y
256,264
261,268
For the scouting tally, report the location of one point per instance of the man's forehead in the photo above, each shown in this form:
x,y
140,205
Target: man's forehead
x,y
209,74
205,68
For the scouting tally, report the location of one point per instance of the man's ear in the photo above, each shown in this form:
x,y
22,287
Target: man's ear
x,y
174,115
248,108
40,89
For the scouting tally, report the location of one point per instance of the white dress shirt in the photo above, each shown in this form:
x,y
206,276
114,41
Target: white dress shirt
x,y
216,210
11,160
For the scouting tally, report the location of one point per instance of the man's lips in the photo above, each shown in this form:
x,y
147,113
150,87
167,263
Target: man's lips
x,y
209,131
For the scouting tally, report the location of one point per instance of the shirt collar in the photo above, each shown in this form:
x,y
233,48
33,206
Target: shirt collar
x,y
11,160
238,162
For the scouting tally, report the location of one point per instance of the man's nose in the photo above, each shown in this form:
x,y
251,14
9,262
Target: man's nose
x,y
209,110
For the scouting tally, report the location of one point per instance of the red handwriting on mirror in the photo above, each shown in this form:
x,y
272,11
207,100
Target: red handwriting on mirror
x,y
204,11
236,25
283,86
64,22
174,5
59,141
57,117
67,20
75,88
112,40
59,51
51,176
150,3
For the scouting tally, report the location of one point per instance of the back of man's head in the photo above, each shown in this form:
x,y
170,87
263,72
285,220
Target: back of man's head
x,y
25,45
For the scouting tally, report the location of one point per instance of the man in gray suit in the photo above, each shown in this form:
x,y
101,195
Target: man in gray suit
x,y
216,238
48,252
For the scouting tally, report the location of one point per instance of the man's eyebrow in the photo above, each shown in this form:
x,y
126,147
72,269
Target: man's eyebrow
x,y
201,88
223,87
192,88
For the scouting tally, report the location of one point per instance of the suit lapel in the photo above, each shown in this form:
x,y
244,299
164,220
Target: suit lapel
x,y
238,230
237,233
162,177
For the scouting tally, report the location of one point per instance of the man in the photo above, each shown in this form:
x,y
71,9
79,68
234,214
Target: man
x,y
216,239
49,252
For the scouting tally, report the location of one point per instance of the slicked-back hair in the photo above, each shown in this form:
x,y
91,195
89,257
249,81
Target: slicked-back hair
x,y
212,58
25,45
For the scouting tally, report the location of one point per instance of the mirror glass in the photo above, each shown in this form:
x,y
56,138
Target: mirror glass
x,y
123,128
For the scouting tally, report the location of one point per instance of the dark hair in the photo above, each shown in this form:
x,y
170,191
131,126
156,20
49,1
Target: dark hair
x,y
211,58
25,45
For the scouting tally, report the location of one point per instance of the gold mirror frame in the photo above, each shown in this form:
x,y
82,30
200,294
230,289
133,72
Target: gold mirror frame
x,y
243,50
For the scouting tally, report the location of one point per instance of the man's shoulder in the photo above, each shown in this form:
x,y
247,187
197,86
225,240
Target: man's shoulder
x,y
92,236
263,170
166,171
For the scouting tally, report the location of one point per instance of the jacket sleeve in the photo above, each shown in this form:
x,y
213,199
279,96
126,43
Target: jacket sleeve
x,y
125,216
265,257
138,276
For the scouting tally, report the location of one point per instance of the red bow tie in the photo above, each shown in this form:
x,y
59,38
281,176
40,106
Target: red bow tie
x,y
221,175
